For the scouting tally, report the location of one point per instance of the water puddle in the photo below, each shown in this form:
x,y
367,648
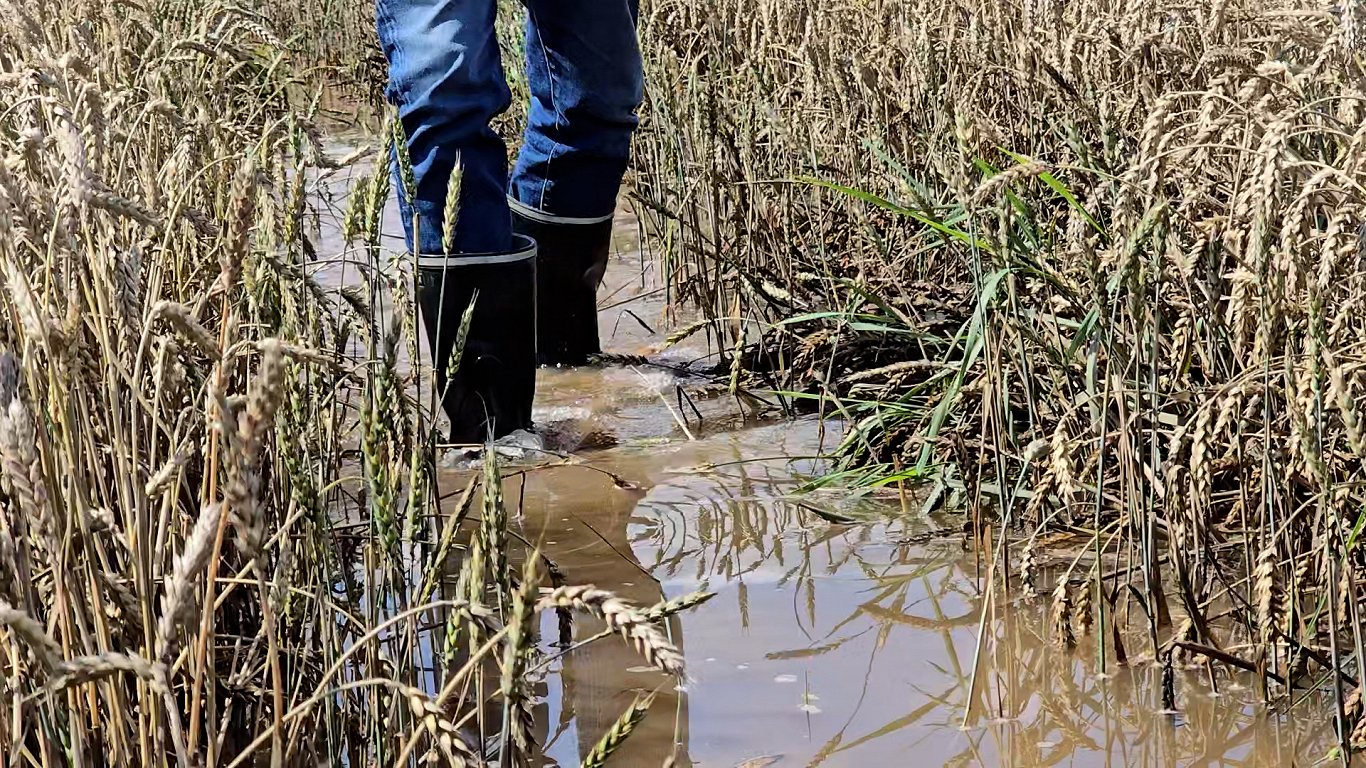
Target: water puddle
x,y
826,644
829,644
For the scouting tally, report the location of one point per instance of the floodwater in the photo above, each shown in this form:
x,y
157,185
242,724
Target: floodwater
x,y
826,644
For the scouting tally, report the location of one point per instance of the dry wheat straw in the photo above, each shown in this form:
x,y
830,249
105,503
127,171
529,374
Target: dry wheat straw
x,y
177,601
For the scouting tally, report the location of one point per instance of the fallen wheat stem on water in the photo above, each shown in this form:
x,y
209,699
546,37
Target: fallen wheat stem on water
x,y
678,417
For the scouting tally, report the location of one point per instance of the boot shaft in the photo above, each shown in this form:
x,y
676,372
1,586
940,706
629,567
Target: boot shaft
x,y
487,379
571,260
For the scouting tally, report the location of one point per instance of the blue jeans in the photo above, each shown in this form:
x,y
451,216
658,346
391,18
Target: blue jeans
x,y
446,79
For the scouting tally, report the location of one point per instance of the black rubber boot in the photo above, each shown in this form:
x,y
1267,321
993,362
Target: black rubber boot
x,y
487,393
570,264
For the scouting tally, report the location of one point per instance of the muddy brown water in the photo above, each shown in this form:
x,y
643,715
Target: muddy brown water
x,y
838,645
826,644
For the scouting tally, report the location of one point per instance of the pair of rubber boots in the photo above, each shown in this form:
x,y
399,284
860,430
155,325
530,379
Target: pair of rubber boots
x,y
535,305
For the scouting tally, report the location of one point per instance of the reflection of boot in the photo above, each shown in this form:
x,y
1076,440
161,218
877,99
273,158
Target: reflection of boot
x,y
601,679
487,391
569,268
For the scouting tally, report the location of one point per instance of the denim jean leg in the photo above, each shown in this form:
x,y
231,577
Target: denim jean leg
x,y
586,79
446,80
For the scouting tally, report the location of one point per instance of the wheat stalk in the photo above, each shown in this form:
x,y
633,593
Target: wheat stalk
x,y
618,733
88,669
629,622
177,601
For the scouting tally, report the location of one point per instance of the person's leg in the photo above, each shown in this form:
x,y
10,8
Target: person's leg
x,y
446,80
586,79
585,74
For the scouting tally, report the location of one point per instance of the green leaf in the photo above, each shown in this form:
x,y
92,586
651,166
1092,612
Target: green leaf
x,y
974,342
1088,326
1065,193
888,205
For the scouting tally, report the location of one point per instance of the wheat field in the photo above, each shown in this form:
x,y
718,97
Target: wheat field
x,y
1088,272
222,540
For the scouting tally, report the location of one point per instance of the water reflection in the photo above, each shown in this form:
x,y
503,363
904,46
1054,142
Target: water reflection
x,y
834,645
588,541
